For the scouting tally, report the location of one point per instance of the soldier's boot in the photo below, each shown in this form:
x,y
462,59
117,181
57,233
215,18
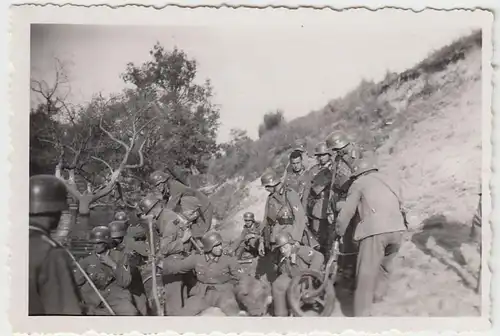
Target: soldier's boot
x,y
173,294
279,288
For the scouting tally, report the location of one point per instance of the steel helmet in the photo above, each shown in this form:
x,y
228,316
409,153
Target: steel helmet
x,y
269,179
285,216
363,165
47,194
248,216
158,177
100,234
121,216
337,140
117,229
211,240
321,149
148,203
282,239
300,145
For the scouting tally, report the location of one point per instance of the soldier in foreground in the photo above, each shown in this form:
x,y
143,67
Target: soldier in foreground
x,y
216,274
52,290
294,259
173,190
378,201
118,230
109,270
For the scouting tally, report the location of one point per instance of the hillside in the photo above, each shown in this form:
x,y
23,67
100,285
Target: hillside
x,y
425,126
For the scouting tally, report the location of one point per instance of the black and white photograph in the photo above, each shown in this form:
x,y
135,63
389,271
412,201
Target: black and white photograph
x,y
333,165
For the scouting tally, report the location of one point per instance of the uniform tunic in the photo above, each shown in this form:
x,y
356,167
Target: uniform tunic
x,y
296,181
216,278
248,240
52,289
284,197
302,258
178,190
112,284
378,200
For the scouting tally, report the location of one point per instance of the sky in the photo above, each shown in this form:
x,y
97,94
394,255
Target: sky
x,y
254,69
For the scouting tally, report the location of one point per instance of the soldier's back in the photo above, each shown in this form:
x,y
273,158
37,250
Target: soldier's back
x,y
52,290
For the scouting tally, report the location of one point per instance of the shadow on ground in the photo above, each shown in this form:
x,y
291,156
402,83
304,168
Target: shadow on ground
x,y
442,238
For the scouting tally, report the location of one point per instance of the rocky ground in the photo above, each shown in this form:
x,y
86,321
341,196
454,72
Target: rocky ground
x,y
438,159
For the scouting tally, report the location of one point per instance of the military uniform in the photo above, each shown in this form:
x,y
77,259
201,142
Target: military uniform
x,y
52,289
178,190
377,199
302,258
296,181
113,284
276,202
215,287
248,241
172,249
316,202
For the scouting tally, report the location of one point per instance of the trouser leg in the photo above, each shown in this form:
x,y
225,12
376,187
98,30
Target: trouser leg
x,y
279,288
371,253
173,293
392,246
227,303
193,306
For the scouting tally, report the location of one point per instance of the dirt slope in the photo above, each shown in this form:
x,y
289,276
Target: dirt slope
x,y
438,158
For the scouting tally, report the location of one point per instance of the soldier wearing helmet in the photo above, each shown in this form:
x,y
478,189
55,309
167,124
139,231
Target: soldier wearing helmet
x,y
216,275
122,217
248,243
173,191
316,200
52,290
283,210
378,201
294,259
109,270
118,231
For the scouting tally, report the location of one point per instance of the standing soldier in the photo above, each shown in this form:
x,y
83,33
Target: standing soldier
x,y
176,244
295,176
109,270
316,199
380,231
283,212
301,146
118,231
173,190
52,290
294,259
346,153
216,274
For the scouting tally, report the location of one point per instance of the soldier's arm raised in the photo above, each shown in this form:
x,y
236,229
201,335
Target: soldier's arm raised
x,y
179,266
58,287
349,208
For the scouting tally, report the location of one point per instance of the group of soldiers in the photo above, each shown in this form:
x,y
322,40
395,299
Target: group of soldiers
x,y
170,261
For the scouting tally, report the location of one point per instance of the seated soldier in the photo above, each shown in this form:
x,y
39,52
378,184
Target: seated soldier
x,y
294,259
216,274
109,271
247,244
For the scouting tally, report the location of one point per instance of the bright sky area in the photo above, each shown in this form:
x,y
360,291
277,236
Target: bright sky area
x,y
254,69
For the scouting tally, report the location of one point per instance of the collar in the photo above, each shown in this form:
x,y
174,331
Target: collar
x,y
211,259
